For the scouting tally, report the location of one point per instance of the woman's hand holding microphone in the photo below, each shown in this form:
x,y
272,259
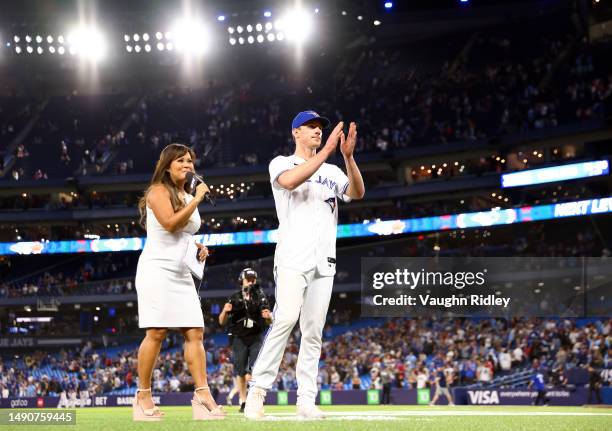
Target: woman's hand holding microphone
x,y
201,191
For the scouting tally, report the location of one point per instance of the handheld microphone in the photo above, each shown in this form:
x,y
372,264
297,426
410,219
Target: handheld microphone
x,y
193,180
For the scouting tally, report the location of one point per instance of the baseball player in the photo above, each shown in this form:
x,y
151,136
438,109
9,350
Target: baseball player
x,y
306,192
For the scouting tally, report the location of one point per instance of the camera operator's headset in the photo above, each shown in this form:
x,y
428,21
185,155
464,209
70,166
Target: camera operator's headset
x,y
245,273
257,290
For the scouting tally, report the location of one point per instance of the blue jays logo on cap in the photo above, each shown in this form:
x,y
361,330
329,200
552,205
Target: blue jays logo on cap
x,y
306,116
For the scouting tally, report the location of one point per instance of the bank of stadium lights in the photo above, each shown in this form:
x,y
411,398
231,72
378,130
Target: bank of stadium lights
x,y
88,43
38,44
139,42
294,26
189,37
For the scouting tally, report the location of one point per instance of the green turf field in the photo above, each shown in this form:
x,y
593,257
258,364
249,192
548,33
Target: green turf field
x,y
354,418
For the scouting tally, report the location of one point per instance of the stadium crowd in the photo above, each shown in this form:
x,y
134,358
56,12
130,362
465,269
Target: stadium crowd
x,y
396,352
396,103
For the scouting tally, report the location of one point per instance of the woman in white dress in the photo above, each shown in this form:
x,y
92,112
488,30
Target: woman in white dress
x,y
167,295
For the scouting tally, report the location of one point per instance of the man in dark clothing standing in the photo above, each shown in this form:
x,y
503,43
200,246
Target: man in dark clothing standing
x,y
594,384
246,313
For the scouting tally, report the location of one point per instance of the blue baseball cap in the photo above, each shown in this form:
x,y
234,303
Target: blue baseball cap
x,y
306,116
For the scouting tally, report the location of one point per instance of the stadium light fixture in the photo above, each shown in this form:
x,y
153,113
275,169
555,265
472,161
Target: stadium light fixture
x,y
297,25
388,5
191,37
88,43
39,44
221,18
267,14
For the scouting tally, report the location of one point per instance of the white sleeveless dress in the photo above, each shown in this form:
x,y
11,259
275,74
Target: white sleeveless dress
x,y
167,296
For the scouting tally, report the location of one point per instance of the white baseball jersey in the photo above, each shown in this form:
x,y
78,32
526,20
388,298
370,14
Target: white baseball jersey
x,y
308,216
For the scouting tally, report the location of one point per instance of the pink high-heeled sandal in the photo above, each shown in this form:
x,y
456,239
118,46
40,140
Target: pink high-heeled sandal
x,y
201,412
141,414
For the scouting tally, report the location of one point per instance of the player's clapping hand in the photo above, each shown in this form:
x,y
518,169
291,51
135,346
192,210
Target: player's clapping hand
x,y
347,146
227,307
266,314
203,253
333,139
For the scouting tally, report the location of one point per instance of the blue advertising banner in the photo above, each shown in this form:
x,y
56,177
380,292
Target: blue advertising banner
x,y
494,217
552,174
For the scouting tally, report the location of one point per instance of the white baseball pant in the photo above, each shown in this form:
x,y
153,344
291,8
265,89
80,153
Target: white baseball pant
x,y
303,295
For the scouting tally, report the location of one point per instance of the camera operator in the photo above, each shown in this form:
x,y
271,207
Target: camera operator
x,y
246,313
